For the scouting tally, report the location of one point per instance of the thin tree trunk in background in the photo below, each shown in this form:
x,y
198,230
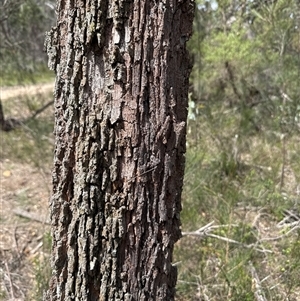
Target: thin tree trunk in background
x,y
2,119
120,126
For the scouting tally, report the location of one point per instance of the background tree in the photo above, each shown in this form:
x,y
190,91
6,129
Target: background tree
x,y
120,122
22,33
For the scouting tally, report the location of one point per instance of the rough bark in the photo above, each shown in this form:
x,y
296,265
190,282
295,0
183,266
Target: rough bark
x,y
120,122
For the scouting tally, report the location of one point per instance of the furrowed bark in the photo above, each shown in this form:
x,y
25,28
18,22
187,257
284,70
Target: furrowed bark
x,y
120,123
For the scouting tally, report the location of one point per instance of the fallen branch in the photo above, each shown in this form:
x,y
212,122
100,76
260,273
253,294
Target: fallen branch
x,y
39,111
205,232
291,219
10,282
32,216
297,226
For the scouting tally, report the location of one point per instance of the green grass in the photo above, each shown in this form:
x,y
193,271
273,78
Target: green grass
x,y
32,142
235,177
41,74
42,270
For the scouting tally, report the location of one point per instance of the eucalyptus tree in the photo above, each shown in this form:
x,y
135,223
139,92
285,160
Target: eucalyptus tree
x,y
122,77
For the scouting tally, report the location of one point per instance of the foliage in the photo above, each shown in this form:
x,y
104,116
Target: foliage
x,y
22,30
248,56
42,270
239,182
242,167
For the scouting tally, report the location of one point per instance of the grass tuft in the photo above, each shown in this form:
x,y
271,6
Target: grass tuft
x,y
245,180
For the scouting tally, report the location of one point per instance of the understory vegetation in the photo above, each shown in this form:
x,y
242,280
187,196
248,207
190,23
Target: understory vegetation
x,y
26,155
23,24
241,198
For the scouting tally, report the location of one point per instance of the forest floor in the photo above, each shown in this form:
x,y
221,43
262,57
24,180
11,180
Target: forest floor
x,y
25,181
252,256
29,90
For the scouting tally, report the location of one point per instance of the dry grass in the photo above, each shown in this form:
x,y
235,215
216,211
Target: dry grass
x,y
247,183
25,159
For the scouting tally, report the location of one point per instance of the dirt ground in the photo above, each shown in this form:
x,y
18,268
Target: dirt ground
x,y
12,92
24,191
24,221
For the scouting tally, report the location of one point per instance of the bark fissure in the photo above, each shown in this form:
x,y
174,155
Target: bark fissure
x,y
120,111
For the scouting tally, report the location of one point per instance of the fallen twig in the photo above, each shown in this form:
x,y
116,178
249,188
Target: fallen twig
x,y
10,282
32,216
297,226
42,109
291,219
256,284
205,232
33,251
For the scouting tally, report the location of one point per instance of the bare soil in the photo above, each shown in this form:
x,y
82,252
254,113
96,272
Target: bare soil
x,y
16,91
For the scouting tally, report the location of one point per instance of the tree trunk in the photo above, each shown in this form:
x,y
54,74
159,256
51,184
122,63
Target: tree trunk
x,y
2,119
120,125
